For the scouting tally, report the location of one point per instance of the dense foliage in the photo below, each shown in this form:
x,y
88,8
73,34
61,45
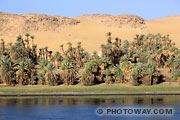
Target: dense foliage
x,y
137,62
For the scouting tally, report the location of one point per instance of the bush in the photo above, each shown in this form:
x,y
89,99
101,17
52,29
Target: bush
x,y
176,74
87,79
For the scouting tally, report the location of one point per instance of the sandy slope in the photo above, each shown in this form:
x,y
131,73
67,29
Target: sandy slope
x,y
92,33
168,25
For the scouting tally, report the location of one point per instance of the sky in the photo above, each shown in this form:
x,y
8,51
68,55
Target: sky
x,y
147,9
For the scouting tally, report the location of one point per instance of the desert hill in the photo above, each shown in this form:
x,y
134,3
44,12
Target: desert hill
x,y
91,30
12,23
119,21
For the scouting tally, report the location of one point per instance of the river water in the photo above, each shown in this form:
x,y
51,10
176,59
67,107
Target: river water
x,y
87,108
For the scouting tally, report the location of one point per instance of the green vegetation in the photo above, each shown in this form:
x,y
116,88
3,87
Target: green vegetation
x,y
105,88
137,63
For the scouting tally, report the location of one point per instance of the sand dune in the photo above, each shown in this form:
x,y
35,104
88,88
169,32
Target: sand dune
x,y
91,31
168,25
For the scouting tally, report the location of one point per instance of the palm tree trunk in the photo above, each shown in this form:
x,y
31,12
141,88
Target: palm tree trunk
x,y
107,79
150,80
66,77
70,78
21,81
171,69
3,80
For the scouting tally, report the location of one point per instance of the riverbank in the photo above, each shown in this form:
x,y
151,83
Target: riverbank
x,y
97,90
87,94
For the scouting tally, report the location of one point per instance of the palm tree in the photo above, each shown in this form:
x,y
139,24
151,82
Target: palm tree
x,y
176,74
109,34
31,71
19,61
169,63
103,50
151,71
88,78
27,35
90,73
107,73
58,58
79,54
2,47
69,68
40,56
11,51
46,73
27,43
46,53
109,40
21,73
41,66
95,55
126,65
62,48
137,74
50,75
34,53
136,39
103,63
119,76
134,77
177,63
126,44
32,37
6,69
109,37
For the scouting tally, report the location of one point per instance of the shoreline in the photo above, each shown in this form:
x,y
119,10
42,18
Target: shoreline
x,y
98,90
87,94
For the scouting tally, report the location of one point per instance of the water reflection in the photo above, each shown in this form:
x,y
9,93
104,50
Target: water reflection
x,y
77,108
109,100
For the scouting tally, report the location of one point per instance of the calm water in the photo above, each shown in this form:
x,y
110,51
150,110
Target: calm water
x,y
84,108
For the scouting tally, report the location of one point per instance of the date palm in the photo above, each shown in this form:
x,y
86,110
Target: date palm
x,y
90,72
50,75
118,74
62,49
2,47
69,68
107,73
169,63
31,71
41,66
151,71
46,52
32,38
12,51
109,37
21,72
6,69
58,59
